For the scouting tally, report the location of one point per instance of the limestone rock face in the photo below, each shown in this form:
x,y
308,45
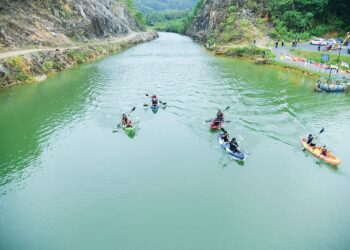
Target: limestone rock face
x,y
230,21
60,22
209,18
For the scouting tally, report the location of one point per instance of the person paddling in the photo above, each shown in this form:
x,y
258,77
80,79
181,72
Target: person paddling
x,y
154,100
234,145
324,151
219,118
310,139
225,136
126,122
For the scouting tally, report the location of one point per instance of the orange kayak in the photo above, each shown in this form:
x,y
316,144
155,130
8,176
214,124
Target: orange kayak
x,y
316,151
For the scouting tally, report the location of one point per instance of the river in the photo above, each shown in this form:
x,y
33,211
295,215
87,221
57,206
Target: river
x,y
68,182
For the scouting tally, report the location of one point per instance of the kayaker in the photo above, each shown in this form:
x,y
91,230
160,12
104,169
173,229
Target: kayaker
x,y
154,100
126,122
324,151
219,118
234,145
225,136
310,139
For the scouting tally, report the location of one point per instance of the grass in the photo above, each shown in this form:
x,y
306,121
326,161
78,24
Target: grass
x,y
296,68
316,56
20,70
249,51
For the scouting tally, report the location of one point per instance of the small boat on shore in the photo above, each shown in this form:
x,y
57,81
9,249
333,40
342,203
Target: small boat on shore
x,y
332,85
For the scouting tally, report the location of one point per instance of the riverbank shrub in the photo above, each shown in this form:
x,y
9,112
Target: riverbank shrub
x,y
250,51
20,69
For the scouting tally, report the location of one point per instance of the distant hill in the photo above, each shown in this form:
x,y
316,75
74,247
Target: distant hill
x,y
146,6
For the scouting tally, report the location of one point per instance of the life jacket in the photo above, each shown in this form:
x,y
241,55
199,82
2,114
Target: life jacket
x,y
224,137
220,117
234,147
154,101
310,139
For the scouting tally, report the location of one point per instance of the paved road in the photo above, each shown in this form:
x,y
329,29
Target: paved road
x,y
283,55
307,46
117,39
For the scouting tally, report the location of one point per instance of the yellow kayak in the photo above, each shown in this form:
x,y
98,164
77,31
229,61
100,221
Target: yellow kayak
x,y
316,151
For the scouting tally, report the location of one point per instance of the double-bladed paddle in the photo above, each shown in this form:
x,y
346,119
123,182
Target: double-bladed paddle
x,y
321,131
223,130
118,126
227,108
145,105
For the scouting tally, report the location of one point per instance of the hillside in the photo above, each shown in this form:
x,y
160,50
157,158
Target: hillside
x,y
225,21
165,15
241,21
31,23
147,6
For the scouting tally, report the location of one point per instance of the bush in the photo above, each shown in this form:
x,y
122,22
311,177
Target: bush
x,y
249,51
47,66
20,69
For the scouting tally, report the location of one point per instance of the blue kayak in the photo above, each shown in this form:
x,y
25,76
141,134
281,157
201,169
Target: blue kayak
x,y
240,156
154,107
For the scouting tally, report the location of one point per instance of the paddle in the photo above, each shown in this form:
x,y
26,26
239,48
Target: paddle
x,y
227,108
118,126
145,105
321,131
223,130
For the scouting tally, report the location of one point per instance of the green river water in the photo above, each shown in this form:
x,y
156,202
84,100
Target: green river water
x,y
68,182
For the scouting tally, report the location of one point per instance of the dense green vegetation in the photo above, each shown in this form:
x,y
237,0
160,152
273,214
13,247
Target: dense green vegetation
x,y
176,25
163,5
290,19
250,51
136,14
165,15
309,17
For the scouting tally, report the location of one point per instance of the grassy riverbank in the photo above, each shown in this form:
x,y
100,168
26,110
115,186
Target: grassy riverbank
x,y
293,67
261,55
248,51
316,56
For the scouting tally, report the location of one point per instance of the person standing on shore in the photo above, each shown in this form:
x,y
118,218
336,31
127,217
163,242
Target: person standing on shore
x,y
276,44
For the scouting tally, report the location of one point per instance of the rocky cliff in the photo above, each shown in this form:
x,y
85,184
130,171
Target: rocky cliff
x,y
29,23
229,21
38,65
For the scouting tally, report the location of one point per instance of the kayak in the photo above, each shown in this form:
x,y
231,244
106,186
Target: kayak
x,y
240,156
316,151
216,126
128,130
154,107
